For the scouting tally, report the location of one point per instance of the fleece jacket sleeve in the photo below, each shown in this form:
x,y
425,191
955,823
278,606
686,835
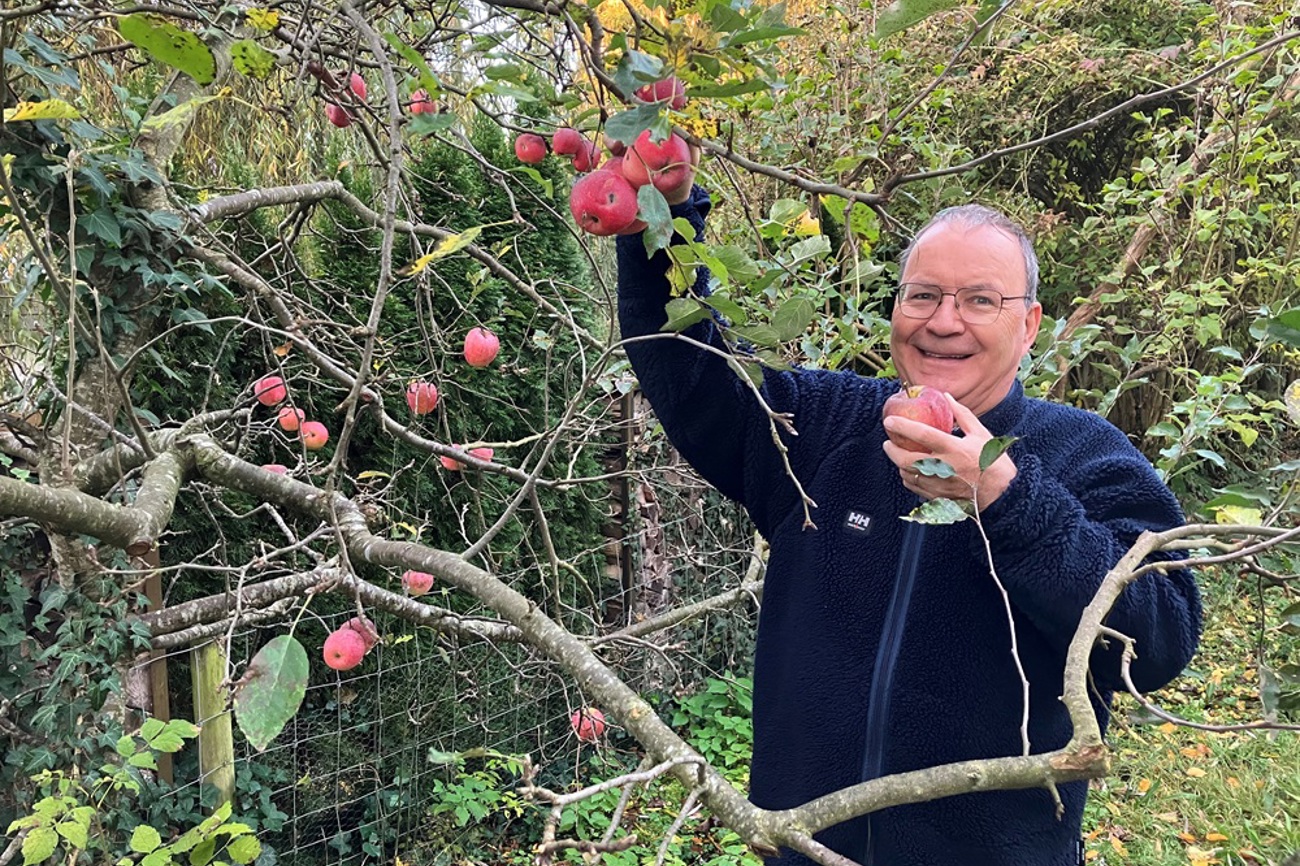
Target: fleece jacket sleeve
x,y
709,414
1054,537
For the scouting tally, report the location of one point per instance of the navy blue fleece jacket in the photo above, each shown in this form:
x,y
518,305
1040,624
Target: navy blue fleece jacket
x,y
883,645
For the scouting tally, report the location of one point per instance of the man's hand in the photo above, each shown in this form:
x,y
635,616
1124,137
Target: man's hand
x,y
682,192
961,453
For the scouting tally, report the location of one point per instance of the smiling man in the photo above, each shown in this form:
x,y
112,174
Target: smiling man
x,y
883,644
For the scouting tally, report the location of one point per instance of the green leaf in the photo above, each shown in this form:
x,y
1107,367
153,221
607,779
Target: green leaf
x,y
730,88
684,312
812,248
759,335
739,264
934,468
733,312
428,124
764,34
938,512
1269,691
1284,327
126,746
145,839
168,44
143,760
203,852
428,81
182,113
151,728
541,179
272,690
993,449
103,224
635,69
652,207
183,728
902,14
792,318
627,126
245,849
39,845
251,59
75,833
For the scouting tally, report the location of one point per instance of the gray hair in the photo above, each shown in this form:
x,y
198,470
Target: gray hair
x,y
973,216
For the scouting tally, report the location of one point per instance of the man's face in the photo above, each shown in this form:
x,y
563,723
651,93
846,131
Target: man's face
x,y
974,363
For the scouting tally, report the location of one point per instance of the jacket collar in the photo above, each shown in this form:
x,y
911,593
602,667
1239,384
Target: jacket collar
x,y
1004,416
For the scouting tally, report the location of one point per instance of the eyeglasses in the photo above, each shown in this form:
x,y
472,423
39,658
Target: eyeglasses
x,y
975,306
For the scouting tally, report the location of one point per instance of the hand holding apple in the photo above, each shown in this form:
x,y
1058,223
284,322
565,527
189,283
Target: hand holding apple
x,y
919,403
962,453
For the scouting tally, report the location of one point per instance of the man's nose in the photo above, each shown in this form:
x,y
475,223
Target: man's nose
x,y
946,319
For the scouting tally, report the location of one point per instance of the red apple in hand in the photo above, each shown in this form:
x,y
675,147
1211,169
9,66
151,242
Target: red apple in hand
x,y
603,203
481,346
666,164
344,649
919,403
588,723
530,148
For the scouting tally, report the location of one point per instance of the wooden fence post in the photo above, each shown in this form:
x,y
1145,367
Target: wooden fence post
x,y
211,711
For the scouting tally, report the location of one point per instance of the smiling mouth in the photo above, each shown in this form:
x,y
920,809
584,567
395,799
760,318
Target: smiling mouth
x,y
943,357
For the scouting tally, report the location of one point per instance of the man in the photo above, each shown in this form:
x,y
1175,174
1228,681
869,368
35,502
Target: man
x,y
883,644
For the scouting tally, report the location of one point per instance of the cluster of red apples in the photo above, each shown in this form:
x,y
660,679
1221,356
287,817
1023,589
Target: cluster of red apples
x,y
604,202
271,391
347,645
342,116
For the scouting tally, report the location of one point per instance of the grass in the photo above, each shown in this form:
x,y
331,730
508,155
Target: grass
x,y
1181,797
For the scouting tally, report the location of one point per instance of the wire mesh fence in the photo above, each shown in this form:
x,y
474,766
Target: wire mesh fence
x,y
417,753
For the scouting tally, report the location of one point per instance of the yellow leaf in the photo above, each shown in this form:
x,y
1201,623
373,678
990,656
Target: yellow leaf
x,y
180,114
808,225
50,109
1235,514
1144,785
447,246
1167,728
1215,837
1118,846
263,19
398,861
1195,772
1092,855
282,350
1168,817
1233,782
1187,837
1291,398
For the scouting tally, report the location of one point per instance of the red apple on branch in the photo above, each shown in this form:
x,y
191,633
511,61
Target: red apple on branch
x,y
422,104
270,390
421,397
670,90
290,419
363,626
588,723
417,582
919,403
530,148
344,649
338,115
481,347
567,141
314,435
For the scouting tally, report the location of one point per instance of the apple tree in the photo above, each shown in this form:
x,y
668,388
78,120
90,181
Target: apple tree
x,y
253,255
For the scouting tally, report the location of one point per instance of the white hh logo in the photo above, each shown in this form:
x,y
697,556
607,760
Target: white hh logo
x,y
858,522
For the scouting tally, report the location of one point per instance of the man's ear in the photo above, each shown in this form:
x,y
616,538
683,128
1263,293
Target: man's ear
x,y
1033,319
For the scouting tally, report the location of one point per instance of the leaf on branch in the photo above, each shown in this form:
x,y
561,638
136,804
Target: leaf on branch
x,y
1236,515
902,14
452,244
792,318
178,115
636,68
934,467
1282,328
652,207
1291,398
262,19
50,109
938,512
684,312
251,59
627,126
272,690
169,45
993,449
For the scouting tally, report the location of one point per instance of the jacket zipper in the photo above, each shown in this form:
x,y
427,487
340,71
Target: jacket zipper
x,y
882,676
